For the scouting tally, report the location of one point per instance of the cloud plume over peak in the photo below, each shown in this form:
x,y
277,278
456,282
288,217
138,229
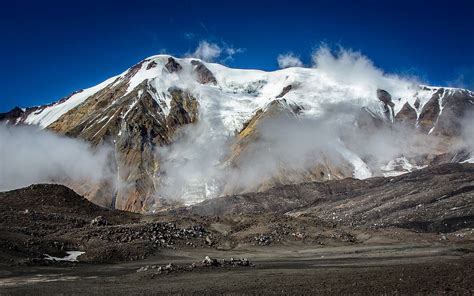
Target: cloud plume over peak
x,y
289,60
209,51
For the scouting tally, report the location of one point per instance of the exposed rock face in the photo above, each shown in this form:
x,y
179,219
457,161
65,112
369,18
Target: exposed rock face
x,y
248,140
443,114
136,125
384,96
141,110
203,73
284,91
406,116
456,107
429,114
152,64
388,105
173,66
184,109
12,115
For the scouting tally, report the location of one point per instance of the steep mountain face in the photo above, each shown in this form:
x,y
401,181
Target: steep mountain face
x,y
156,103
245,148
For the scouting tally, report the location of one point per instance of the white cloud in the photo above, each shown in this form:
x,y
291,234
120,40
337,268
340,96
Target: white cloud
x,y
352,68
231,51
289,60
209,52
29,155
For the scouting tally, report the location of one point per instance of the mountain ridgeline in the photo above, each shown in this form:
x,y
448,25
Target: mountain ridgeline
x,y
186,130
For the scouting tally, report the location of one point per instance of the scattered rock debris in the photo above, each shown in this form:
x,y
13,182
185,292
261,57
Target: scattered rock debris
x,y
99,221
207,262
263,240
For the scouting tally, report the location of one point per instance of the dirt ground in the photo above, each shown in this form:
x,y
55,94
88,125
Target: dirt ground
x,y
363,269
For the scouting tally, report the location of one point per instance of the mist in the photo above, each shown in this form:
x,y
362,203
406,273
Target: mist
x,y
203,164
286,149
30,155
355,70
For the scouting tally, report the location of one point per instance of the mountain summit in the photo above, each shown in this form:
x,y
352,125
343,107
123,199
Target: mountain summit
x,y
190,130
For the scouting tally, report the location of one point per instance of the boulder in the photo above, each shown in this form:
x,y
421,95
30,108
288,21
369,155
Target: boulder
x,y
99,221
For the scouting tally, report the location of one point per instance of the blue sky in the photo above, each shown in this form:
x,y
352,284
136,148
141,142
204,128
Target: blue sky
x,y
51,48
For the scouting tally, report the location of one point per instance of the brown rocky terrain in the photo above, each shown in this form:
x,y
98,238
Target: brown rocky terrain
x,y
383,234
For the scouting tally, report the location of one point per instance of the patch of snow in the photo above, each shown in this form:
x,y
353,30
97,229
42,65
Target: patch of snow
x,y
360,168
71,257
399,166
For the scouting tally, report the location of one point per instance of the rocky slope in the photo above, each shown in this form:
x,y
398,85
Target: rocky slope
x,y
142,111
438,198
425,205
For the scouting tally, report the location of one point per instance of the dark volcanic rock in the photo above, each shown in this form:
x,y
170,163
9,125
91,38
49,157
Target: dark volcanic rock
x,y
172,65
203,73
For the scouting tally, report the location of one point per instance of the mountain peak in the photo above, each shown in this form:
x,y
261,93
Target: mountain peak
x,y
191,107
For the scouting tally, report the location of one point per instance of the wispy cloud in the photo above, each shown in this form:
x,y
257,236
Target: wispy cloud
x,y
209,51
289,60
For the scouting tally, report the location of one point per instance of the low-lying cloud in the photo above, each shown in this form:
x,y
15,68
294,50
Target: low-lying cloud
x,y
286,149
29,155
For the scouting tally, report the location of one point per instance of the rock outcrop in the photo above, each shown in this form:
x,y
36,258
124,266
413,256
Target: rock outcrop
x,y
203,74
406,116
135,125
173,66
388,105
248,142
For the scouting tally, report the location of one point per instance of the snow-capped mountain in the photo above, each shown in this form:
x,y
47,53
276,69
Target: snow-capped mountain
x,y
192,129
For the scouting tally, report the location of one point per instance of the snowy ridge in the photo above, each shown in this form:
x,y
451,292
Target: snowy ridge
x,y
226,106
239,92
48,115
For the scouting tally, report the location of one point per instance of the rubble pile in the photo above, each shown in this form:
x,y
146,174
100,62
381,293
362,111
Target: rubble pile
x,y
159,233
207,262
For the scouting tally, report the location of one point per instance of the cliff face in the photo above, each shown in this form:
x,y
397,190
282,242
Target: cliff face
x,y
136,125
